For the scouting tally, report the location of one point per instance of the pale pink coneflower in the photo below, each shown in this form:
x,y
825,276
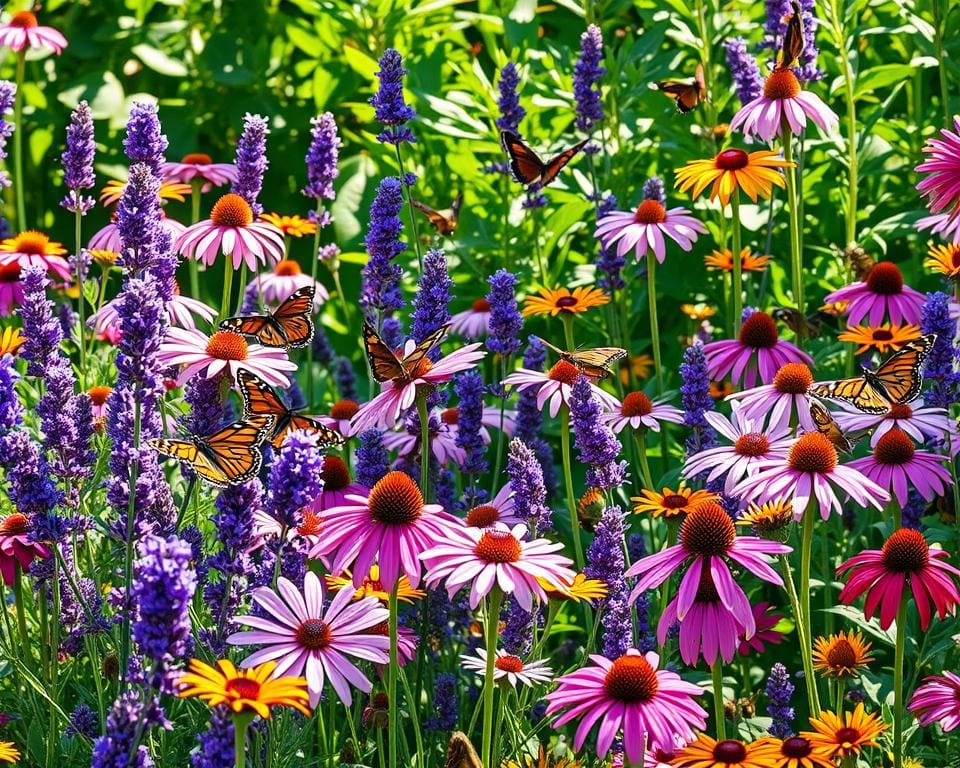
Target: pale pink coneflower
x,y
340,416
287,277
500,509
881,293
108,238
200,166
22,30
639,411
782,402
472,323
783,101
644,229
508,668
555,386
918,421
180,312
224,351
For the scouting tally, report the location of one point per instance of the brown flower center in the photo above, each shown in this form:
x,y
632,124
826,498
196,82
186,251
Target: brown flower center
x,y
708,530
650,212
243,688
732,160
395,500
231,210
759,331
847,736
482,516
729,751
450,416
197,158
885,278
631,679
480,305
23,19
781,84
752,444
566,302
344,409
706,589
498,547
882,334
812,452
227,345
899,411
793,379
895,447
31,242
796,746
313,634
675,501
287,268
564,372
14,525
636,404
508,664
906,551
335,474
99,395
841,654
10,273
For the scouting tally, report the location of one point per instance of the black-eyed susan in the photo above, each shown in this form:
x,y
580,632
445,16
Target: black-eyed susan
x,y
295,226
372,587
698,312
889,337
581,588
251,690
553,301
169,190
799,752
845,735
670,503
723,260
10,341
944,259
733,169
103,258
707,752
9,752
769,520
842,655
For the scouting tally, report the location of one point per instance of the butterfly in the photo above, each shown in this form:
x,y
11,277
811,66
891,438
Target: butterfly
x,y
804,326
461,752
445,222
828,427
792,39
592,362
686,93
259,400
526,165
384,362
290,326
230,455
896,380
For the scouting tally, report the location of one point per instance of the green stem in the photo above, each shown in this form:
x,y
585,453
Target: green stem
x,y
19,181
21,613
806,555
414,717
240,722
716,672
841,688
424,445
567,319
898,682
53,734
654,321
737,263
413,216
840,42
803,639
640,438
392,680
703,32
335,271
568,482
796,258
227,288
104,281
242,286
81,301
491,633
939,26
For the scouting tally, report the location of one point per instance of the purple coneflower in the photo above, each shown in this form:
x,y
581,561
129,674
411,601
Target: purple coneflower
x,y
180,312
223,351
638,411
919,422
783,101
882,292
781,402
896,465
942,166
472,323
500,509
23,30
555,386
645,228
199,166
937,700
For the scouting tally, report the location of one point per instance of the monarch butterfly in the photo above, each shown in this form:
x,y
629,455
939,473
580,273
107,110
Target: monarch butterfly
x,y
384,363
290,326
687,94
828,427
461,752
260,400
526,165
896,380
595,363
445,222
228,456
792,39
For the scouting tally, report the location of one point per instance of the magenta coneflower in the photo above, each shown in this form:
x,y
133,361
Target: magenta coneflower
x,y
17,547
23,30
472,323
180,312
708,538
483,557
637,411
948,227
942,166
287,277
782,402
384,410
443,442
630,697
508,668
337,485
921,423
306,640
11,291
783,100
392,526
765,622
231,230
223,351
884,574
554,386
645,228
108,238
339,417
811,471
500,509
751,446
758,347
197,165
882,292
896,464
937,700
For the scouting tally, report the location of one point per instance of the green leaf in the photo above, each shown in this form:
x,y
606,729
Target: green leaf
x,y
158,61
361,63
881,76
355,171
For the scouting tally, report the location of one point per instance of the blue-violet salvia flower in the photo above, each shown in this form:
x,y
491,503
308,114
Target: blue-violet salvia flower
x,y
695,400
446,708
390,108
372,459
511,113
431,306
144,142
586,74
380,289
11,409
653,189
744,70
216,743
526,479
77,160
296,478
322,158
8,96
505,318
251,161
779,691
939,367
468,387
610,263
598,447
120,745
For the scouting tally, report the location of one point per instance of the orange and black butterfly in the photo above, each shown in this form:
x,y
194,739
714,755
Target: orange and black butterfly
x,y
686,93
896,380
445,222
828,427
792,40
594,363
230,455
290,326
259,399
384,362
526,165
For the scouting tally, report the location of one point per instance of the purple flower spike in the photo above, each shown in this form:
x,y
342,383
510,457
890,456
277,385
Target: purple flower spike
x,y
322,158
391,110
77,160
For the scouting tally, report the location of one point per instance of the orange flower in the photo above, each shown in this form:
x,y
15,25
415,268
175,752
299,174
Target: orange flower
x,y
295,226
670,503
847,734
889,337
841,655
169,190
244,690
944,259
723,260
553,301
733,169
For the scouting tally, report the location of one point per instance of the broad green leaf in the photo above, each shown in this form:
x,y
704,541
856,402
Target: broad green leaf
x,y
158,61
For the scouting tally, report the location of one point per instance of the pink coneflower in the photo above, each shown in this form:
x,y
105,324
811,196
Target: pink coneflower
x,y
508,668
948,227
223,351
337,485
266,527
197,165
882,292
180,312
942,166
11,291
286,278
23,30
392,527
937,700
340,416
896,464
884,574
554,386
306,640
16,547
500,509
482,557
108,238
637,411
751,446
646,706
472,323
98,405
489,419
406,642
782,402
443,441
231,230
34,249
765,634
758,347
921,423
708,538
645,228
384,410
783,100
811,471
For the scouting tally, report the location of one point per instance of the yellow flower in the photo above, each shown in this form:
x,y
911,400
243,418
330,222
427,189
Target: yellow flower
x,y
835,308
104,258
169,190
734,169
640,365
554,301
707,752
769,519
698,312
670,503
847,734
33,243
295,226
8,752
10,341
723,260
544,759
889,337
244,690
582,588
944,259
798,752
841,655
371,586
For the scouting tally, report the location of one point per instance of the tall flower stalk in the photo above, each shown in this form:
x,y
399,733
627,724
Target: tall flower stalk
x,y
18,187
796,256
840,41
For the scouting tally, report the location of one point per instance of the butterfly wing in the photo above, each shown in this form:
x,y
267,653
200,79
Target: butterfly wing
x,y
686,95
558,162
525,165
828,427
441,223
328,437
461,752
548,345
900,373
411,361
700,81
293,317
259,399
261,327
804,327
235,451
384,364
596,362
859,392
190,452
792,39
455,207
